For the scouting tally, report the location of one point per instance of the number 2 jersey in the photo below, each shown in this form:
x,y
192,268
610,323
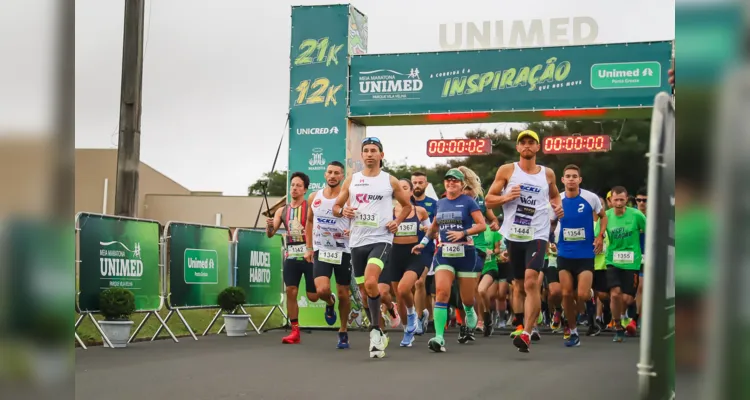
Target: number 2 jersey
x,y
577,226
372,200
527,218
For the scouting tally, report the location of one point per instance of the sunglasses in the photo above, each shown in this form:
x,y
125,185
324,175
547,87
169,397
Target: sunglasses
x,y
370,140
640,200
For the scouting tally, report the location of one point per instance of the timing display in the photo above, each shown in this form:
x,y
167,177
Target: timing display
x,y
458,147
577,144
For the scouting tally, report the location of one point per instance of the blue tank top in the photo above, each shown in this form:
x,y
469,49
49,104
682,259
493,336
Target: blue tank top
x,y
577,226
409,227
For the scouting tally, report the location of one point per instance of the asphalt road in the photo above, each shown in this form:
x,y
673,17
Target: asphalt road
x,y
260,367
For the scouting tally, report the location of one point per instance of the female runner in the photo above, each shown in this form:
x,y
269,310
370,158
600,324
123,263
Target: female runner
x,y
457,218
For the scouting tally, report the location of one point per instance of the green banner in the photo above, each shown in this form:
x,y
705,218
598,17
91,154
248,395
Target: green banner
x,y
118,252
317,96
513,80
198,265
311,315
258,267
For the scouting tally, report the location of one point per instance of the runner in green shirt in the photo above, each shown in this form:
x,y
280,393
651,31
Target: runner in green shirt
x,y
487,289
600,283
623,258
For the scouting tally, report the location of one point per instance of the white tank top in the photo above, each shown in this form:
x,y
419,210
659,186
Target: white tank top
x,y
372,199
527,218
328,231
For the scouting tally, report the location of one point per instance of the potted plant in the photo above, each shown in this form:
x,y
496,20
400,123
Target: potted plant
x,y
116,305
230,300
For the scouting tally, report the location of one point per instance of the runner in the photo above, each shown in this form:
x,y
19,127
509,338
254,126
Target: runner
x,y
488,281
404,267
552,278
600,280
424,293
456,253
371,193
294,218
525,190
577,247
624,227
328,250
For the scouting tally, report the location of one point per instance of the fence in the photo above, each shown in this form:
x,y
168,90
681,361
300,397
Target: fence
x,y
185,267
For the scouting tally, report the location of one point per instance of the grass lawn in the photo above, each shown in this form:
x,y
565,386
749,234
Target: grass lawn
x,y
198,320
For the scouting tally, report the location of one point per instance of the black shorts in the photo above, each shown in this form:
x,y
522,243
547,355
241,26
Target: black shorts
x,y
575,265
600,281
293,271
526,255
551,275
400,261
504,272
493,273
342,271
376,253
626,280
429,284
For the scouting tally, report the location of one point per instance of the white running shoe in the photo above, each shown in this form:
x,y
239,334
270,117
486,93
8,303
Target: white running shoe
x,y
377,344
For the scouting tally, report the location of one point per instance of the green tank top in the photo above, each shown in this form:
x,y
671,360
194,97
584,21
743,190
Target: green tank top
x,y
480,242
600,260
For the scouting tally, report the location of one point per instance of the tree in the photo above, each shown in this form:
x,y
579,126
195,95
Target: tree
x,y
276,184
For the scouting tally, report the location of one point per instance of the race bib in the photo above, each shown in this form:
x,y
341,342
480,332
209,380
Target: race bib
x,y
574,234
367,220
453,250
623,257
407,229
520,232
296,251
330,256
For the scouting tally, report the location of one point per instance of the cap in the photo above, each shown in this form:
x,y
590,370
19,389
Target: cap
x,y
455,173
372,140
528,133
609,194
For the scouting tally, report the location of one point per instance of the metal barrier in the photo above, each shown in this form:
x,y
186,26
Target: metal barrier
x,y
196,268
114,251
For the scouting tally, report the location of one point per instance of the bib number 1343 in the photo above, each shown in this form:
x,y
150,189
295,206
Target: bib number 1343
x,y
330,256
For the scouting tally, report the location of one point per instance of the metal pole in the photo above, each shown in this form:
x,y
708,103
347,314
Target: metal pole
x,y
129,143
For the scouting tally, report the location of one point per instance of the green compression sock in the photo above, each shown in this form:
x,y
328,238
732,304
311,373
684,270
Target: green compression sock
x,y
441,317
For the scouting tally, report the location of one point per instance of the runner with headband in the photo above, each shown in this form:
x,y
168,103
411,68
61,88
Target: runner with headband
x,y
458,218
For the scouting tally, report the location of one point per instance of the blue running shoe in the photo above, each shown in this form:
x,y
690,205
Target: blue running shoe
x,y
331,312
411,323
573,341
408,339
343,341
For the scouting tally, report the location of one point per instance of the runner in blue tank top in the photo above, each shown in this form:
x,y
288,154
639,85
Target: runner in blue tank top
x,y
458,218
577,247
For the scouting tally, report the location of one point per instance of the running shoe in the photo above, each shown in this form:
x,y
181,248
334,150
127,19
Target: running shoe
x,y
292,338
594,329
489,329
566,333
343,341
395,319
463,334
535,336
522,342
377,343
423,323
555,325
631,329
330,312
471,320
619,336
518,331
437,344
411,323
408,339
573,341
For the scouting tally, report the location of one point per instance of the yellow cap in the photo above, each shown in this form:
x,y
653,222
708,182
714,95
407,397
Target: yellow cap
x,y
527,133
609,194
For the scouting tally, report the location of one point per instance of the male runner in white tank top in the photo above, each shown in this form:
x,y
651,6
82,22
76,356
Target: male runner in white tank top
x,y
371,194
525,190
327,240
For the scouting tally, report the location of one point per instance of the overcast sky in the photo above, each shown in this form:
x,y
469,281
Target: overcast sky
x,y
216,74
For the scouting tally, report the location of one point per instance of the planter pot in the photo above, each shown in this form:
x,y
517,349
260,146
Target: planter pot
x,y
118,332
236,325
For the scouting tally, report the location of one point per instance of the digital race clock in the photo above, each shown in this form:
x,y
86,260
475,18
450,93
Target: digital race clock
x,y
458,147
576,144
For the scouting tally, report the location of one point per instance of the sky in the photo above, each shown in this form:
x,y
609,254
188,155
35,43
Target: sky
x,y
216,74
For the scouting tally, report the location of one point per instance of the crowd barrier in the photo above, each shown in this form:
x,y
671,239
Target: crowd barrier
x,y
182,266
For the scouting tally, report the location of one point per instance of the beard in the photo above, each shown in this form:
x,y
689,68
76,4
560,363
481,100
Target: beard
x,y
528,156
418,192
334,184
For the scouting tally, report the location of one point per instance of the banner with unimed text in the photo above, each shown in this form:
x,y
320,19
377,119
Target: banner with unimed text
x,y
258,267
118,252
198,264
